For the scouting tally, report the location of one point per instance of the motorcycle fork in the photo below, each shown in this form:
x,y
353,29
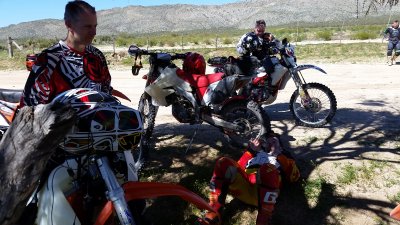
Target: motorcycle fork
x,y
299,82
115,193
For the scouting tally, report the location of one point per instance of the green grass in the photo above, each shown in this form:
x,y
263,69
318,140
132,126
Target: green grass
x,y
365,173
331,53
360,52
313,187
395,199
348,174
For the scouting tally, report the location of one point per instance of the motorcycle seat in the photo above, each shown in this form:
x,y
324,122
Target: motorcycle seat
x,y
202,81
10,95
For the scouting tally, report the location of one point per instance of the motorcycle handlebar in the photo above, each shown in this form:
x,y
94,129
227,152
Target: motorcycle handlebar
x,y
136,51
179,56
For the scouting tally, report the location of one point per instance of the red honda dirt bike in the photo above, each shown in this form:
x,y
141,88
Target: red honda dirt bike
x,y
197,97
311,104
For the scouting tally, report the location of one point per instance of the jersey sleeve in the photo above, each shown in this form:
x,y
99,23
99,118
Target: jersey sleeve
x,y
240,46
96,68
37,87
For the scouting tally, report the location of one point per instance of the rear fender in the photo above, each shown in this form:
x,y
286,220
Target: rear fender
x,y
120,95
307,66
142,190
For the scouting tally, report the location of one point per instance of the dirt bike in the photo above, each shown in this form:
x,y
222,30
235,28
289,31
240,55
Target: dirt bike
x,y
311,104
94,179
196,97
9,100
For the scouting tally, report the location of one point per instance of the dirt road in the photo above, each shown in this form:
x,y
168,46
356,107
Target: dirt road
x,y
351,167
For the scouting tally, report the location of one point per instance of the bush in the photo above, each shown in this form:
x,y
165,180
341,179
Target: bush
x,y
45,43
208,42
227,41
325,35
363,35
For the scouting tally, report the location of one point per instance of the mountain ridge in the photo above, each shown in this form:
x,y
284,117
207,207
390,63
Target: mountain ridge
x,y
137,19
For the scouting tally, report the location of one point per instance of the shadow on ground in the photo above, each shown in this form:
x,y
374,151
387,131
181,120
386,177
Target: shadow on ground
x,y
172,161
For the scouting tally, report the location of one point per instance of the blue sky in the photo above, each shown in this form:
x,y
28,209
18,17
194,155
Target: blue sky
x,y
17,11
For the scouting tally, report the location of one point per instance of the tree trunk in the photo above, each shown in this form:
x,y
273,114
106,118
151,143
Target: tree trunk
x,y
24,151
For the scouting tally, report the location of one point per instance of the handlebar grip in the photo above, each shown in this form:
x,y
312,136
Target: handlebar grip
x,y
179,56
134,50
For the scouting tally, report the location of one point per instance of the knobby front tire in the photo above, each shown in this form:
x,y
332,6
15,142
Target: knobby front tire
x,y
319,111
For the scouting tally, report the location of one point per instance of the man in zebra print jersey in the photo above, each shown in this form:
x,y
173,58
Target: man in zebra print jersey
x,y
70,63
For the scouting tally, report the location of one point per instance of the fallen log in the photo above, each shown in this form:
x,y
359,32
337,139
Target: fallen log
x,y
24,151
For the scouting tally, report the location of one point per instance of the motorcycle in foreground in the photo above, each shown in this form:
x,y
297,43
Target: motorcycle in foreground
x,y
196,97
311,104
94,174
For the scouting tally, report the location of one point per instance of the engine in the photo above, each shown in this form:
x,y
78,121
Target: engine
x,y
183,111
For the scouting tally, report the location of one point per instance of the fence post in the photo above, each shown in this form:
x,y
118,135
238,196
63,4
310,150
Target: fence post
x,y
113,40
10,48
341,32
216,42
297,32
182,42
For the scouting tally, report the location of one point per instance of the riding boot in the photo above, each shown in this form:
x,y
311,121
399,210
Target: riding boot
x,y
218,191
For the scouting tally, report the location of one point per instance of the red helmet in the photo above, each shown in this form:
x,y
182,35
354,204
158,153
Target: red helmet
x,y
194,63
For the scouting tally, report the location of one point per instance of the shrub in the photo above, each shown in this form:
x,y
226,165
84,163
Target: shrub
x,y
227,41
363,35
325,35
122,41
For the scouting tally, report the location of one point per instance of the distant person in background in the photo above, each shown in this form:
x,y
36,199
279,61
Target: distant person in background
x,y
393,35
71,63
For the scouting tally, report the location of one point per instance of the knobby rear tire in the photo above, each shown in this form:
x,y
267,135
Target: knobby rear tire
x,y
248,114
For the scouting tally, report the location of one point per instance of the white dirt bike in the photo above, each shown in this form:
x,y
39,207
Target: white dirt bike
x,y
197,97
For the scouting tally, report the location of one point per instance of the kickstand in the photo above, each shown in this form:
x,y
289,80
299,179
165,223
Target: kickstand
x,y
191,140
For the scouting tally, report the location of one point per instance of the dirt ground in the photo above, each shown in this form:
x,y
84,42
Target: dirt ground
x,y
350,167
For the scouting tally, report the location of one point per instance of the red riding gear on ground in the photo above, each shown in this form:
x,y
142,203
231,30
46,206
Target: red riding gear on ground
x,y
254,179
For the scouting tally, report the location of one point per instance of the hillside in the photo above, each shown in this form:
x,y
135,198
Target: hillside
x,y
184,17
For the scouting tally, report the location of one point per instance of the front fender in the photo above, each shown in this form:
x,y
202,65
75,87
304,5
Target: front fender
x,y
141,190
308,66
395,213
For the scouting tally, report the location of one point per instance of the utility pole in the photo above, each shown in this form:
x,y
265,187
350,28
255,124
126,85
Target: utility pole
x,y
357,9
